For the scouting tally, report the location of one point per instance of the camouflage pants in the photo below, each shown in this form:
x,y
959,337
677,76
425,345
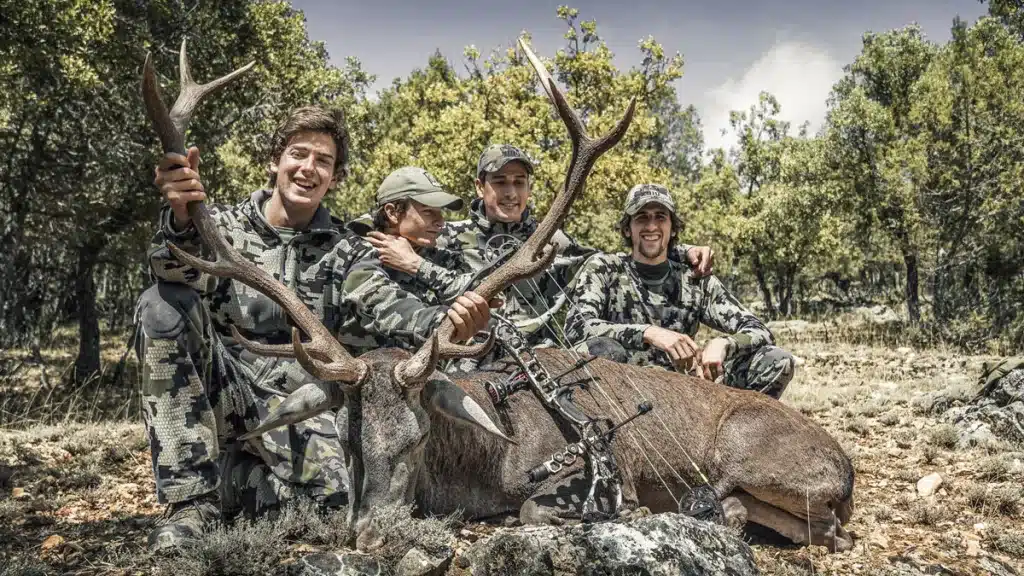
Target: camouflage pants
x,y
198,398
767,369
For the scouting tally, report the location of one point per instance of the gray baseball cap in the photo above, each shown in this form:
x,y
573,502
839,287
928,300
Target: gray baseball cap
x,y
497,155
642,194
418,184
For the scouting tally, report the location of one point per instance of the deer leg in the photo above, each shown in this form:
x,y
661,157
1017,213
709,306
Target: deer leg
x,y
829,534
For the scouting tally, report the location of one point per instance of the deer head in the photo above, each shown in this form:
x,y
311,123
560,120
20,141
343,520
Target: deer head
x,y
387,393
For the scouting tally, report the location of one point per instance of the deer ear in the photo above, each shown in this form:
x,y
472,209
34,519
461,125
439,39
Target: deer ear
x,y
448,400
308,401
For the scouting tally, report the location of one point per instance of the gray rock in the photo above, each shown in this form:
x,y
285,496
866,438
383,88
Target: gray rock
x,y
418,563
658,545
998,412
331,564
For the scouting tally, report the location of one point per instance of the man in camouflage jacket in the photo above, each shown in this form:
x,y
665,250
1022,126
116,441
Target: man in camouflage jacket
x,y
652,306
400,241
500,219
200,389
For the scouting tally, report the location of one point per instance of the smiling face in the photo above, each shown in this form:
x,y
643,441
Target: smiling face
x,y
650,231
505,193
418,223
305,170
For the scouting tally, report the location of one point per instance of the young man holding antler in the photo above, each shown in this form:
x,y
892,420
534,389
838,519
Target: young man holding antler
x,y
201,390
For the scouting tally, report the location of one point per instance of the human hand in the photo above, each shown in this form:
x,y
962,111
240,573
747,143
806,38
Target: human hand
x,y
395,252
679,347
177,177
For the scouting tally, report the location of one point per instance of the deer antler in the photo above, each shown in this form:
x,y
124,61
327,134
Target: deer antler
x,y
537,253
323,357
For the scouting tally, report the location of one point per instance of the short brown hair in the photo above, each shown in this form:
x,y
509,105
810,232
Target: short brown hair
x,y
313,119
380,219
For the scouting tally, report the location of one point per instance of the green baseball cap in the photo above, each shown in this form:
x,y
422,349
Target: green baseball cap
x,y
417,184
643,194
497,155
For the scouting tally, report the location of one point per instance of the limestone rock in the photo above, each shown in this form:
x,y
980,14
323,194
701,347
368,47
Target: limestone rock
x,y
658,545
928,485
331,564
418,563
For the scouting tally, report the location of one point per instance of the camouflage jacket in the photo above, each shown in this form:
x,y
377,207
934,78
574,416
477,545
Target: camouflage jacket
x,y
611,300
527,301
403,325
314,263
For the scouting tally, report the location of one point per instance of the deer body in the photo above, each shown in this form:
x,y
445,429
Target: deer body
x,y
744,442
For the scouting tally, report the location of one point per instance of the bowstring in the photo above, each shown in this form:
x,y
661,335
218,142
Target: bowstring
x,y
558,331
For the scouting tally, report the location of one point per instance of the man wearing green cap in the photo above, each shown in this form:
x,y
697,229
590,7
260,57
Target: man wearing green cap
x,y
500,218
400,253
644,308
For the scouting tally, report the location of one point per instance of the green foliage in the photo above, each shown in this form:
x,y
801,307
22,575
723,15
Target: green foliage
x,y
441,121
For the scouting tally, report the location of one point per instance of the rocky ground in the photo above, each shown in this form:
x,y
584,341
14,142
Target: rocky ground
x,y
76,490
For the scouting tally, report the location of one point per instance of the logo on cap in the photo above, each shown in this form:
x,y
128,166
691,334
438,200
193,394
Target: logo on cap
x,y
430,178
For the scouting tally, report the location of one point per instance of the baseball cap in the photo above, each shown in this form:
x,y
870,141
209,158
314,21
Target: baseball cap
x,y
497,155
418,184
642,194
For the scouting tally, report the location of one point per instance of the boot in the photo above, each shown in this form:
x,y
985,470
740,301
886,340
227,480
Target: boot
x,y
185,521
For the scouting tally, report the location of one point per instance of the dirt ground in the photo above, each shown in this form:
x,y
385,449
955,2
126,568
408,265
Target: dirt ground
x,y
77,496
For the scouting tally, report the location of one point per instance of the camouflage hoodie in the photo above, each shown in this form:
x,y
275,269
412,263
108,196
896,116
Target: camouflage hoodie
x,y
611,300
314,263
480,241
436,283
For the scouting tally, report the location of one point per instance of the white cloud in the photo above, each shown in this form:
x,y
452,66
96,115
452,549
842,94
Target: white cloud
x,y
800,77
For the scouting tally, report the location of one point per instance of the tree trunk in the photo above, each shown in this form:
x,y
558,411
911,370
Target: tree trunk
x,y
766,292
913,302
87,364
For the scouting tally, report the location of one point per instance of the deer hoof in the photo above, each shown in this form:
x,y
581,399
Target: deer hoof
x,y
533,513
735,513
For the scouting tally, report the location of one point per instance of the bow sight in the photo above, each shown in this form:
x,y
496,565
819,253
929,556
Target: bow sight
x,y
594,444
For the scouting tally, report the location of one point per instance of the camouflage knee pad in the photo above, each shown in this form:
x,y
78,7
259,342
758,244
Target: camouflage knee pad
x,y
252,489
605,348
767,369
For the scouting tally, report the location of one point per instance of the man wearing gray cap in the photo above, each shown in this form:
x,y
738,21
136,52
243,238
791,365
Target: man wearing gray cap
x,y
400,254
501,217
649,307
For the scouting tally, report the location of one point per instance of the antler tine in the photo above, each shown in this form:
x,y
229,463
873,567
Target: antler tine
x,y
325,358
190,93
415,371
537,253
449,349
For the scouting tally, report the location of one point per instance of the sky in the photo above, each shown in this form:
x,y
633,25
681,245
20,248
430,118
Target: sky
x,y
733,49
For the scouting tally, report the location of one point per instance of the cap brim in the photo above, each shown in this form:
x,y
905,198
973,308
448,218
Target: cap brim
x,y
439,200
523,161
632,210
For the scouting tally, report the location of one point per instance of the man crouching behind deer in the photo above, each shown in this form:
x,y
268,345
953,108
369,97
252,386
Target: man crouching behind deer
x,y
202,390
644,308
